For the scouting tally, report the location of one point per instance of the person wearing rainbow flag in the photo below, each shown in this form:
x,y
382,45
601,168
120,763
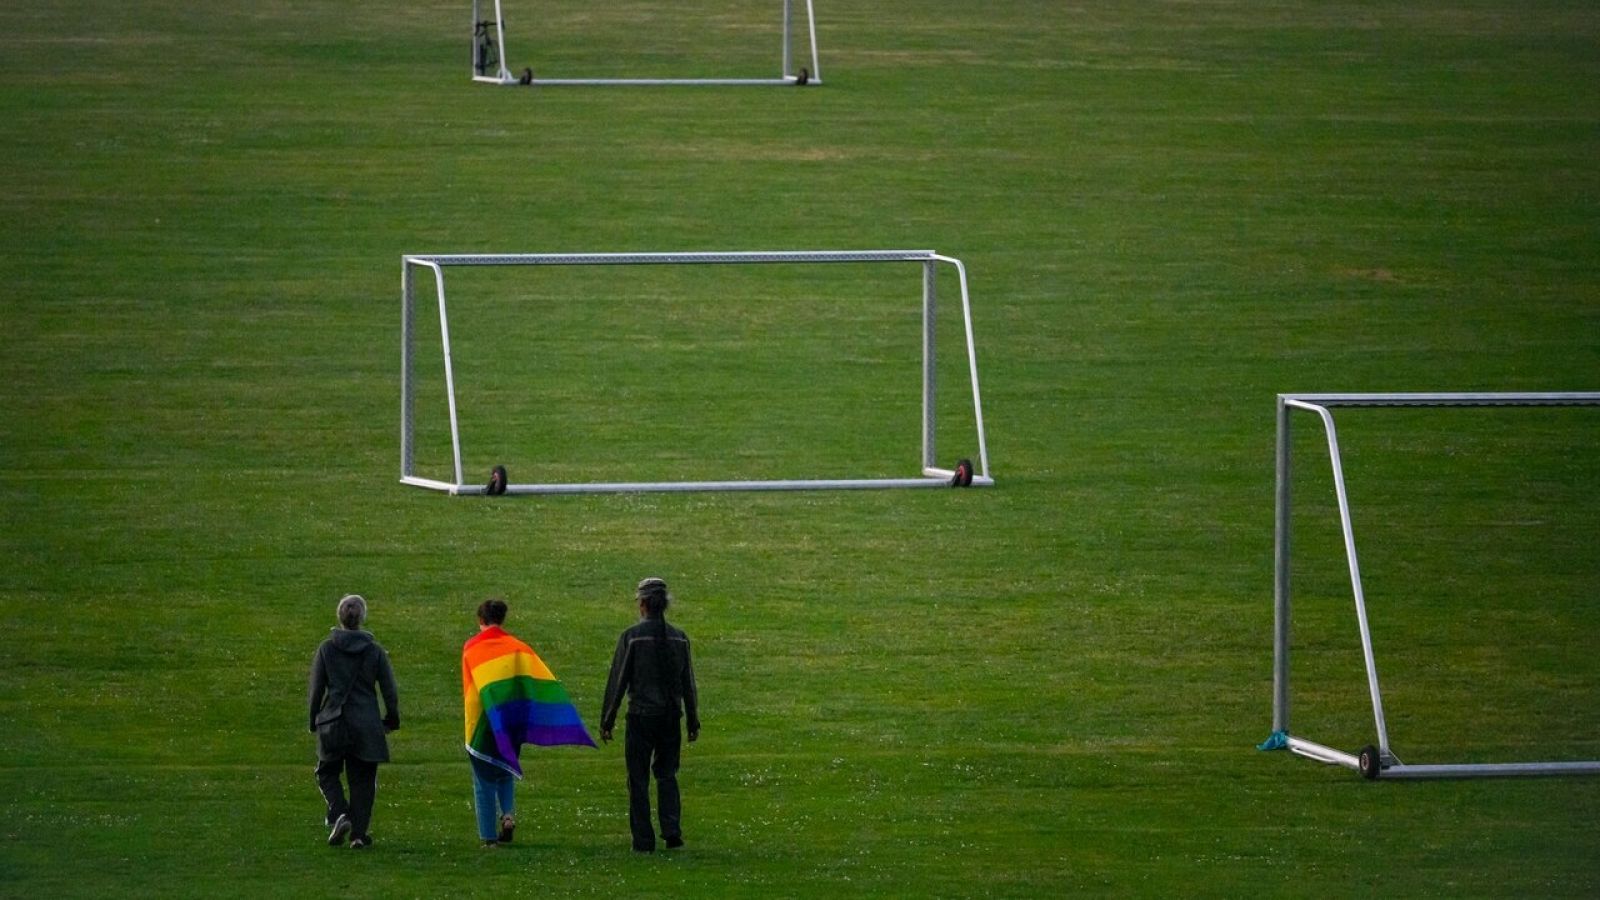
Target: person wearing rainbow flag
x,y
511,698
652,667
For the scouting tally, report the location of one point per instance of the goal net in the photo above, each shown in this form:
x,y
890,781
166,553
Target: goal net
x,y
1476,591
609,372
575,34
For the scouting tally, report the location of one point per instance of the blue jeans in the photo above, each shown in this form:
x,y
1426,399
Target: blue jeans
x,y
493,791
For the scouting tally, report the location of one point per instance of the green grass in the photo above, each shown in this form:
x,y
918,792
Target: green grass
x,y
1170,212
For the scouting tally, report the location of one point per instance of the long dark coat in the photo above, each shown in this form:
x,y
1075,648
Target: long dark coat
x,y
344,703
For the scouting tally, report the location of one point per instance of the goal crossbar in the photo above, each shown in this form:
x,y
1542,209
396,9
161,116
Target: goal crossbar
x,y
502,74
1321,405
932,475
643,259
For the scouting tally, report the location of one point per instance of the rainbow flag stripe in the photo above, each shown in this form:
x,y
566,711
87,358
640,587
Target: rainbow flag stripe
x,y
512,698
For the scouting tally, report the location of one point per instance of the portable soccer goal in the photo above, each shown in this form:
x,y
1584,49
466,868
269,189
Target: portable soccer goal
x,y
961,474
490,65
1376,760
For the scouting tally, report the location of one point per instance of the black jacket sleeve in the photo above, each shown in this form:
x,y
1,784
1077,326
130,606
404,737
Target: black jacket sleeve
x,y
616,683
691,695
319,686
391,693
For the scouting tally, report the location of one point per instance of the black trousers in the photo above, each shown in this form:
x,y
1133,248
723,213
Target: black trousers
x,y
363,778
652,746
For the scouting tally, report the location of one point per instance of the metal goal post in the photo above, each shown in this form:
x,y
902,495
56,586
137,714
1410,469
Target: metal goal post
x,y
931,475
1373,761
489,58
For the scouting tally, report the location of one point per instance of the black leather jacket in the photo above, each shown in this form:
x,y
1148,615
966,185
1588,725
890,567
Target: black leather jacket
x,y
655,685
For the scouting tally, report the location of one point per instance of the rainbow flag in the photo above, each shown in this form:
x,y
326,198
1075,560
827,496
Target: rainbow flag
x,y
512,698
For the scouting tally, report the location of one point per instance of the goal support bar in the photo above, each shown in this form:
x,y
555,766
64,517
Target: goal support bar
x,y
434,265
789,75
1322,406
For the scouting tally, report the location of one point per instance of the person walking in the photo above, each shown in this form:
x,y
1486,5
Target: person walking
x,y
653,668
511,698
348,671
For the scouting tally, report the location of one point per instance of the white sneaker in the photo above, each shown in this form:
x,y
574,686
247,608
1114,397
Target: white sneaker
x,y
341,828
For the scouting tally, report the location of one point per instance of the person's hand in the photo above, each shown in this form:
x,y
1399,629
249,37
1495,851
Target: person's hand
x,y
694,735
391,724
605,735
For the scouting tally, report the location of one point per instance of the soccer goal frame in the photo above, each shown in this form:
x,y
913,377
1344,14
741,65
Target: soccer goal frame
x,y
931,474
1373,761
489,57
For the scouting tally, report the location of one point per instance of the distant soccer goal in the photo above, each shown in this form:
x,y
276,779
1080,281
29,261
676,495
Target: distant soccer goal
x,y
1378,759
491,65
421,271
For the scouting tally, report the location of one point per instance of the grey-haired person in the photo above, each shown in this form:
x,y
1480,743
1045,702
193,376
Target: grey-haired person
x,y
348,672
653,668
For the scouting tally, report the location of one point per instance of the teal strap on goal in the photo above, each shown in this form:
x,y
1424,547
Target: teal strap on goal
x,y
1275,741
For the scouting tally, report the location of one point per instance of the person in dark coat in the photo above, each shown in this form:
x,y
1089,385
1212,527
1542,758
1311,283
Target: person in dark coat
x,y
653,668
348,671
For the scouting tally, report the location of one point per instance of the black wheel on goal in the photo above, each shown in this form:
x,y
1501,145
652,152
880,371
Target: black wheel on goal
x,y
963,476
497,481
1369,762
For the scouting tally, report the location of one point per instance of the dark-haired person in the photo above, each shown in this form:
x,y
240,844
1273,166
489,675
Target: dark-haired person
x,y
494,788
348,671
511,698
653,668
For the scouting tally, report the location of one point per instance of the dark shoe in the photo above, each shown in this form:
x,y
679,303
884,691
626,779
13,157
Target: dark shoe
x,y
490,844
341,827
508,826
361,843
639,849
674,843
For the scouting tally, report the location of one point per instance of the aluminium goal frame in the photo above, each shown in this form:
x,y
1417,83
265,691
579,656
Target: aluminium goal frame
x,y
503,75
932,475
1385,763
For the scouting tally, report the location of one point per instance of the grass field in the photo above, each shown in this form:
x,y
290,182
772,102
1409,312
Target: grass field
x,y
1170,212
